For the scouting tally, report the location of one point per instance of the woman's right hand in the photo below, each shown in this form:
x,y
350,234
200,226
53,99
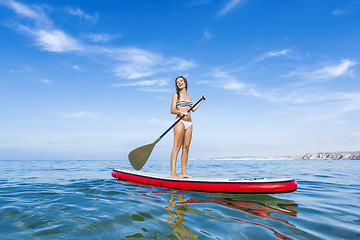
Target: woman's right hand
x,y
184,113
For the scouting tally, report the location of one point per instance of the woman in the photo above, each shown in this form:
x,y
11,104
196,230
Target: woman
x,y
181,103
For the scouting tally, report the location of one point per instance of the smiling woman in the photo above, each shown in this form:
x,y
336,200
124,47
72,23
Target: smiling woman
x,y
180,105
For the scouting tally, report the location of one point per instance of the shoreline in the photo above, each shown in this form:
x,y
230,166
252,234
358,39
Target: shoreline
x,y
309,156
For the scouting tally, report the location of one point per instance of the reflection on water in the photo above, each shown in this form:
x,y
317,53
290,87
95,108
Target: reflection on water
x,y
252,207
176,213
183,206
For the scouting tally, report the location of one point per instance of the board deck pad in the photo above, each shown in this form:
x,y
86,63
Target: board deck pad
x,y
221,185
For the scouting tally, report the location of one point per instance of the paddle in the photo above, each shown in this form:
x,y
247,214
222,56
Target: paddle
x,y
139,156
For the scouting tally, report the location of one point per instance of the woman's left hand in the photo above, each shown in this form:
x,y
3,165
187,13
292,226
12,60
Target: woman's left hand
x,y
184,114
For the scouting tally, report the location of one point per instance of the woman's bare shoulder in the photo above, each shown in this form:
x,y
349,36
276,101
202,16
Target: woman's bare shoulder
x,y
174,98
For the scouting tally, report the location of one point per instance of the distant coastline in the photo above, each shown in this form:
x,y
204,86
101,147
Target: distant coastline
x,y
308,156
259,158
333,156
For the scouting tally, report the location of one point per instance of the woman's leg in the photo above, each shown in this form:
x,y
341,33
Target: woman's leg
x,y
185,152
179,130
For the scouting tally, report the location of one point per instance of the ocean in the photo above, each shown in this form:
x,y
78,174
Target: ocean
x,y
80,200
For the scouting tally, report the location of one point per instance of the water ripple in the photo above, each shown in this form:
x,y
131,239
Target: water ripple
x,y
62,206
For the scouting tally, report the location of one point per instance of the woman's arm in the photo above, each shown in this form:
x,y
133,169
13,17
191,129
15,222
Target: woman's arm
x,y
202,99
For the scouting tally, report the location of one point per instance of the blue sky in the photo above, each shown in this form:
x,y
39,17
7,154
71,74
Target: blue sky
x,y
94,79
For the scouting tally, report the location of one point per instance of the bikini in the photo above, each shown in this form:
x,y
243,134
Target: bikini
x,y
183,103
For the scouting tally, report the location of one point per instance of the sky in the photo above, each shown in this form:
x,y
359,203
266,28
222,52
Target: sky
x,y
94,79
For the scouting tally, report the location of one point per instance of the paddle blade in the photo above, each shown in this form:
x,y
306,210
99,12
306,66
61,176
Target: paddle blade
x,y
139,156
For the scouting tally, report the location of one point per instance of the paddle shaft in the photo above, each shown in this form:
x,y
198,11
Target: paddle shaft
x,y
162,135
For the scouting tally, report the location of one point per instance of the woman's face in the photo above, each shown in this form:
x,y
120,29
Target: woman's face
x,y
180,83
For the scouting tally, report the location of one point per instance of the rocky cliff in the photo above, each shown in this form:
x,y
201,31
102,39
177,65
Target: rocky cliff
x,y
333,156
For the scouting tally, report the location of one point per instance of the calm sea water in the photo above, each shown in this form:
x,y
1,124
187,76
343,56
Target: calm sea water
x,y
80,200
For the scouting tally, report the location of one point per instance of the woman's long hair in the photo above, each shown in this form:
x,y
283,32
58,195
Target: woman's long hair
x,y
177,89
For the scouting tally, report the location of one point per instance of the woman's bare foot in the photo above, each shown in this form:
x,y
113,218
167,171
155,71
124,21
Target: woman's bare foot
x,y
175,176
186,176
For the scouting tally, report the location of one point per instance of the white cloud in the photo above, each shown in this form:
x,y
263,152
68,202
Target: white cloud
x,y
228,82
284,53
146,85
76,67
333,71
80,115
46,81
272,54
137,55
126,62
70,65
355,136
339,12
100,37
234,85
179,64
26,69
32,12
349,102
327,72
21,9
56,41
142,83
324,106
134,71
42,30
135,63
80,13
229,6
307,103
207,35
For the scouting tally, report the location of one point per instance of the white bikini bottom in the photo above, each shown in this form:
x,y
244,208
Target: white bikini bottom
x,y
187,124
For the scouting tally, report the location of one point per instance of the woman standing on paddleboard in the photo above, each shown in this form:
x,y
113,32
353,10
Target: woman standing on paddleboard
x,y
181,103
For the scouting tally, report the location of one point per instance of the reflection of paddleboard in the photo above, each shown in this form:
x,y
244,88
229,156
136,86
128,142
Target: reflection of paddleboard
x,y
226,185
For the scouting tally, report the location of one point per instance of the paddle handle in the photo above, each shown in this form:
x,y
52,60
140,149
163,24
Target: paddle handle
x,y
162,135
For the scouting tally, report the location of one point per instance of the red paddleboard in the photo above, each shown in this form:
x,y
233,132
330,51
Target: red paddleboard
x,y
224,185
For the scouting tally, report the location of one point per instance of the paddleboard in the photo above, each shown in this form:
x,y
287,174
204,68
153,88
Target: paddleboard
x,y
224,185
